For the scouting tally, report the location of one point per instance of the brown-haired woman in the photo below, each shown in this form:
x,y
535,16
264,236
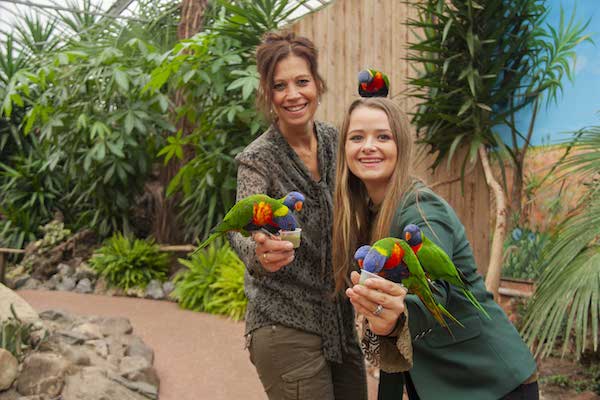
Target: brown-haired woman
x,y
376,197
301,340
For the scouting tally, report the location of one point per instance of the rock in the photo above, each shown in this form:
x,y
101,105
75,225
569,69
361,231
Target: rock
x,y
131,364
135,292
71,337
113,326
77,355
154,290
101,286
42,373
586,396
89,330
137,347
143,388
20,281
56,315
92,384
84,271
10,395
64,269
66,284
23,310
30,284
147,375
9,369
53,282
100,347
84,286
168,287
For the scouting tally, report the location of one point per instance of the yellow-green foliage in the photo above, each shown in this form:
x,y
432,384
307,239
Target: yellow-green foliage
x,y
128,263
213,282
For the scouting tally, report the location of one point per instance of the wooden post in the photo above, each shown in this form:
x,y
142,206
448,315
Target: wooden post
x,y
2,267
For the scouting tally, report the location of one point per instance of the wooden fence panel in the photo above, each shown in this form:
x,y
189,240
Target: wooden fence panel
x,y
355,34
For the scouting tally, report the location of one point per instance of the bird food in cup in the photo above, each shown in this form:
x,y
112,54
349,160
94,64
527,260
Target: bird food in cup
x,y
292,236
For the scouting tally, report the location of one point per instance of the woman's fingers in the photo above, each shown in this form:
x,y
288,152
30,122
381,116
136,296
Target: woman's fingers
x,y
272,252
374,296
386,286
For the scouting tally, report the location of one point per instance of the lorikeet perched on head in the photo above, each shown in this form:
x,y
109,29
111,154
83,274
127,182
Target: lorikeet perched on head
x,y
259,212
393,253
437,264
373,83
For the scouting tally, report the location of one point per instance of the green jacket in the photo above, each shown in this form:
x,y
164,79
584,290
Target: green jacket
x,y
487,358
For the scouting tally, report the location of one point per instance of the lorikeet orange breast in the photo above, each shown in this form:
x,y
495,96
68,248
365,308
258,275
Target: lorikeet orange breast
x,y
257,212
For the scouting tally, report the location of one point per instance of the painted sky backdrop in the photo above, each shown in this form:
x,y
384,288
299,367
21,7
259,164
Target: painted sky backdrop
x,y
579,104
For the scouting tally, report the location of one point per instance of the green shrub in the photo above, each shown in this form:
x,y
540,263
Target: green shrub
x,y
128,263
523,249
213,282
16,336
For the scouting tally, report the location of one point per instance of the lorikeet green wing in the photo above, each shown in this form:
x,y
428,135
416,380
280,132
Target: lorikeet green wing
x,y
437,264
257,212
392,252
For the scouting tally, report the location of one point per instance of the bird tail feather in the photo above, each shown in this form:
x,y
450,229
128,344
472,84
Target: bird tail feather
x,y
476,303
208,241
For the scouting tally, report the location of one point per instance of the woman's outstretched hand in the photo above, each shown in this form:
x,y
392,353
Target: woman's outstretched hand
x,y
272,252
366,298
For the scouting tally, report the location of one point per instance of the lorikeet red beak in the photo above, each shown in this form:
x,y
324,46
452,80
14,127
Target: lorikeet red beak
x,y
298,206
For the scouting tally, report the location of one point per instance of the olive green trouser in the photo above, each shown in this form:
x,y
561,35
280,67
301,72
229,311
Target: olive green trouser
x,y
291,366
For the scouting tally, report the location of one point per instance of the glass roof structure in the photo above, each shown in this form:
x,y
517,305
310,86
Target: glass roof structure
x,y
13,10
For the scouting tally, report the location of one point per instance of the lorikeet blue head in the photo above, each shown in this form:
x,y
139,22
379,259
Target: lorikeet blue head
x,y
294,201
364,78
361,253
374,261
412,235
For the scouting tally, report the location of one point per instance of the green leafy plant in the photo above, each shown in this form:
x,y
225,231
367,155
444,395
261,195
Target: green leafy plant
x,y
213,282
17,336
128,263
522,252
215,72
566,303
228,297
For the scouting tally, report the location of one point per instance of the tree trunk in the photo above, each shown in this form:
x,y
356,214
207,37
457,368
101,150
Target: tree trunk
x,y
166,227
492,279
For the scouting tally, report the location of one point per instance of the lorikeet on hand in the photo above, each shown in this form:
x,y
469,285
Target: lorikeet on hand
x,y
259,212
391,253
373,83
437,264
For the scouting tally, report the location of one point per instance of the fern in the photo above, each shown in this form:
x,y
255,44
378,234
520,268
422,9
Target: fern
x,y
128,263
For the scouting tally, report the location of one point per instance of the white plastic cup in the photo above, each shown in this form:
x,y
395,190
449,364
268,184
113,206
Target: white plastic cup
x,y
364,275
292,236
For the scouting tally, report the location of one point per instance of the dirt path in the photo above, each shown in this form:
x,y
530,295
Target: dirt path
x,y
197,356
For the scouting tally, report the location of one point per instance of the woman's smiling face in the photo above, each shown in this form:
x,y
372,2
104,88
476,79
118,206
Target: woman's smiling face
x,y
370,148
295,94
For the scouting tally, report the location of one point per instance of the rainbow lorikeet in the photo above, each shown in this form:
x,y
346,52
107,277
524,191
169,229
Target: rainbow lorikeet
x,y
259,212
437,264
389,253
373,83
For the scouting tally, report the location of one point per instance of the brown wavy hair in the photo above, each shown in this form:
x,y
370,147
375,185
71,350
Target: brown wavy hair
x,y
276,46
351,225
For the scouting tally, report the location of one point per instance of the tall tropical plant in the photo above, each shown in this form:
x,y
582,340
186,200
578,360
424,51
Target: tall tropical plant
x,y
566,303
217,70
477,71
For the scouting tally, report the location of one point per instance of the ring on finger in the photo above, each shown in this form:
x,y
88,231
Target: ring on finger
x,y
378,310
264,256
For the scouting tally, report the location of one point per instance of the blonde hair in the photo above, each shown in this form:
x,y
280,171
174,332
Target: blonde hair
x,y
351,225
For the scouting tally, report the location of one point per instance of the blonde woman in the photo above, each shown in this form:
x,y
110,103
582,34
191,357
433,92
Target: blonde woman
x,y
375,197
